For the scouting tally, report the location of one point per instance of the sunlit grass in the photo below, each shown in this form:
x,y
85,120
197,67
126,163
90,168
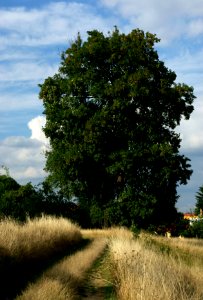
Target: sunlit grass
x,y
145,268
38,237
147,274
28,248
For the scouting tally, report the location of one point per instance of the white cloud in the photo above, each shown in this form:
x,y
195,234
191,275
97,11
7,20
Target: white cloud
x,y
15,101
191,131
55,23
18,54
188,66
29,38
195,27
26,71
187,61
31,172
25,157
168,19
36,125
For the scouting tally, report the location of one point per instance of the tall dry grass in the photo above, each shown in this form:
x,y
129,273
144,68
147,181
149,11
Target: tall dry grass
x,y
26,249
105,232
145,274
38,237
190,245
188,250
64,279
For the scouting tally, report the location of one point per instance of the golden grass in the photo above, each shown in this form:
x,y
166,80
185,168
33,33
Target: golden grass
x,y
190,245
62,280
106,232
38,237
26,249
144,274
94,233
141,269
188,250
48,289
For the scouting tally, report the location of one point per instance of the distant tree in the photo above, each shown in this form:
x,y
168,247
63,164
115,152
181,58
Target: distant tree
x,y
199,200
7,183
111,113
20,203
54,202
195,230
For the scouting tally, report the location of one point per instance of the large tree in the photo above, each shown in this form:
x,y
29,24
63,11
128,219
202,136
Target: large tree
x,y
111,113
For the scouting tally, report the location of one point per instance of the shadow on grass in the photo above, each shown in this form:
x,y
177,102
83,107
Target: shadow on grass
x,y
15,274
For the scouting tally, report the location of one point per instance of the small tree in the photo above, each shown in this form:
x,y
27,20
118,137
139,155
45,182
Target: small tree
x,y
7,183
199,201
20,203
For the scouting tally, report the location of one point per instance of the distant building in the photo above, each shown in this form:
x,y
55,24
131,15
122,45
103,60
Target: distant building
x,y
191,217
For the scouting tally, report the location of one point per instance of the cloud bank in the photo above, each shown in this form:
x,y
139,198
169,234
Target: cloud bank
x,y
25,157
168,19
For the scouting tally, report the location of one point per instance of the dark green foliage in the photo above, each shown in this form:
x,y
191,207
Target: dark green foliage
x,y
7,183
111,111
20,203
195,230
199,201
178,227
54,202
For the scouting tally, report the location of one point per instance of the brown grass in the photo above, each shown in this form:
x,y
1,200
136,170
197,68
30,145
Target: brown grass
x,y
146,268
140,273
94,233
63,280
190,245
38,237
26,249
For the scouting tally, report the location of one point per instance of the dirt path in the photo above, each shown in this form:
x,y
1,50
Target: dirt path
x,y
83,275
98,285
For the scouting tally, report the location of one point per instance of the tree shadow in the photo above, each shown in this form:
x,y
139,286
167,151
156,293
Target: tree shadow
x,y
15,275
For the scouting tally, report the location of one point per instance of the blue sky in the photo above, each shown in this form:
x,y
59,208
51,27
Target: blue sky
x,y
34,33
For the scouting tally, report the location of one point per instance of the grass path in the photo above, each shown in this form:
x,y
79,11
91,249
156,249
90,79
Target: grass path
x,y
113,260
98,284
67,279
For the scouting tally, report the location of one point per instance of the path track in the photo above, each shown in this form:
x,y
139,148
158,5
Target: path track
x,y
97,285
79,276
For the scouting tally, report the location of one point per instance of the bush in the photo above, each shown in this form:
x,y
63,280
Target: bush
x,y
195,230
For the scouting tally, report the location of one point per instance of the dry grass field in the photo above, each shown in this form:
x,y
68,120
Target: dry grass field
x,y
26,249
51,258
143,271
64,279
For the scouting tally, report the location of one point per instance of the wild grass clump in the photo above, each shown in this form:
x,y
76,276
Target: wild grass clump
x,y
38,237
48,289
142,273
26,249
106,232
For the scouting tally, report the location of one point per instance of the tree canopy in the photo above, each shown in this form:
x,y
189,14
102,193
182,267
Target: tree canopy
x,y
111,113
